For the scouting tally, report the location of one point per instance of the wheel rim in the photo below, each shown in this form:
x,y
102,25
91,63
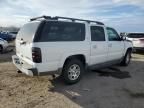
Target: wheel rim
x,y
128,58
74,72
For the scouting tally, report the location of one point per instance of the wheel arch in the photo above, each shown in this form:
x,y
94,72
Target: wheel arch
x,y
81,57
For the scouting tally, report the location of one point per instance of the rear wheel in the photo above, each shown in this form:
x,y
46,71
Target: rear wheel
x,y
72,71
127,58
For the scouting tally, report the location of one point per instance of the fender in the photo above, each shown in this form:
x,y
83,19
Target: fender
x,y
63,59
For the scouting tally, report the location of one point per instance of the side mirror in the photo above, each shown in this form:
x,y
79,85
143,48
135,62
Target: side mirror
x,y
123,36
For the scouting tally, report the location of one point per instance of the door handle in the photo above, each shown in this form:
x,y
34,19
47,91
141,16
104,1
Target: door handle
x,y
110,45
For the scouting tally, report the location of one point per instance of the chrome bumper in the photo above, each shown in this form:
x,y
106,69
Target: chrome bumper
x,y
22,68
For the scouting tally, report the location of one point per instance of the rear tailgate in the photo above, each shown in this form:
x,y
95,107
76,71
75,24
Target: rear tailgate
x,y
24,41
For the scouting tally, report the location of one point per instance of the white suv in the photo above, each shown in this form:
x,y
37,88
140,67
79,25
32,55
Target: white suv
x,y
68,46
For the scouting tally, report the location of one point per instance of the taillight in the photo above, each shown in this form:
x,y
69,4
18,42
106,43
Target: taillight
x,y
36,55
142,40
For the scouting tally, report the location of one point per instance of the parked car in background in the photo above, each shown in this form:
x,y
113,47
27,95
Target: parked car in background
x,y
13,34
137,40
68,46
6,36
3,45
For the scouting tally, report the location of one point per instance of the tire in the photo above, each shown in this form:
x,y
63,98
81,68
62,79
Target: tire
x,y
127,58
72,71
1,49
18,71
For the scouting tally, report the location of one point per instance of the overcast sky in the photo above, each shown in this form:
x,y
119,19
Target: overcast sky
x,y
124,15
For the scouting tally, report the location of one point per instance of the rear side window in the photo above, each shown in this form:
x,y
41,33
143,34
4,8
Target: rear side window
x,y
28,31
62,31
97,33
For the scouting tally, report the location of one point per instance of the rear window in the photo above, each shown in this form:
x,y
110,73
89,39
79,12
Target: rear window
x,y
136,35
62,31
28,31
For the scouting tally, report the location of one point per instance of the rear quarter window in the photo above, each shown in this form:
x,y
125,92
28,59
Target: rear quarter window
x,y
97,33
62,31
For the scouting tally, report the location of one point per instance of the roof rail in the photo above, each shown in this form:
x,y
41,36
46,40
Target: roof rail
x,y
36,18
72,19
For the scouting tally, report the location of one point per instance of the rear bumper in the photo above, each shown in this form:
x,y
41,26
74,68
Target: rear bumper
x,y
24,69
31,71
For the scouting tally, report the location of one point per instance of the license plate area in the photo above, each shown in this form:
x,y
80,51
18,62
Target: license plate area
x,y
17,61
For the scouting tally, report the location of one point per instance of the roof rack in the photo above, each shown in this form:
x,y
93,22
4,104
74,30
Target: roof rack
x,y
72,19
36,18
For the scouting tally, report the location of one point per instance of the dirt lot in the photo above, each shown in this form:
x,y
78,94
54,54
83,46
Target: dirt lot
x,y
115,87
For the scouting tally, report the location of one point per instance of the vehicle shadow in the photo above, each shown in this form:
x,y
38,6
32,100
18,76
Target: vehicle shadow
x,y
114,72
139,52
92,88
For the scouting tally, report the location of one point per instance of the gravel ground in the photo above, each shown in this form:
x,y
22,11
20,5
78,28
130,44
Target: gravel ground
x,y
114,87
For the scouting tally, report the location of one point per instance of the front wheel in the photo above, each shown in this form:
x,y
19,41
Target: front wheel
x,y
127,58
73,71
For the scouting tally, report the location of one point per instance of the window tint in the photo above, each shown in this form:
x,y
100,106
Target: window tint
x,y
97,33
112,35
62,31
